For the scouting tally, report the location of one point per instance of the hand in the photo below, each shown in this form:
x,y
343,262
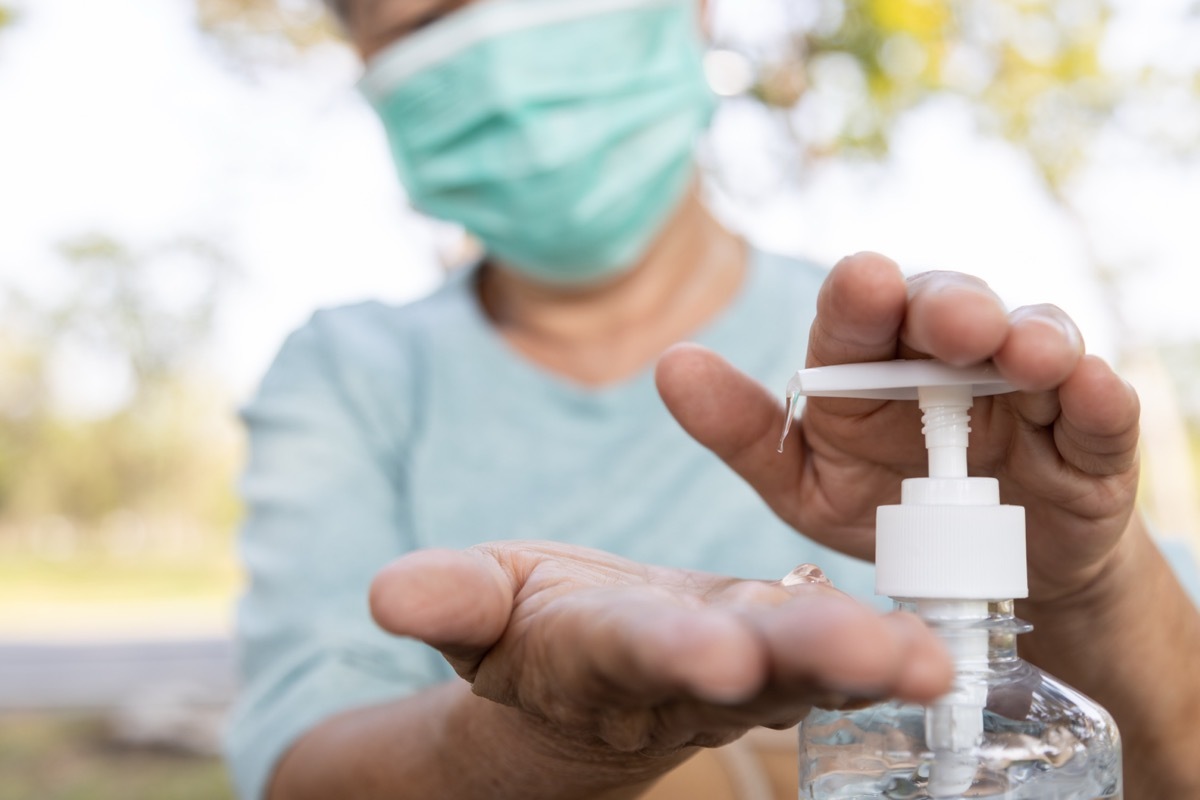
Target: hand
x,y
621,657
1065,446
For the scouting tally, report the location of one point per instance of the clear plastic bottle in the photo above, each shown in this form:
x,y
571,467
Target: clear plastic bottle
x,y
1041,739
951,553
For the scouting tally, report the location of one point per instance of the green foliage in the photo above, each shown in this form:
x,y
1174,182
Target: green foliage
x,y
1030,70
252,32
171,453
132,304
169,449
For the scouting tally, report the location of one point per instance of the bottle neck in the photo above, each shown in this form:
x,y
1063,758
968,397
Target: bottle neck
x,y
975,632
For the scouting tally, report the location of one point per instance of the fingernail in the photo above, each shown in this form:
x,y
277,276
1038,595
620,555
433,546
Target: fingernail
x,y
1068,329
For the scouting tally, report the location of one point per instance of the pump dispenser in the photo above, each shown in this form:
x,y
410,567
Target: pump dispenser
x,y
951,553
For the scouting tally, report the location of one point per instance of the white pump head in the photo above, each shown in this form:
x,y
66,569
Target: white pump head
x,y
949,539
949,546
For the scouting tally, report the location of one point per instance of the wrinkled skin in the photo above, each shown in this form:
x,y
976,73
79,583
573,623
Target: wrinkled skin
x,y
648,659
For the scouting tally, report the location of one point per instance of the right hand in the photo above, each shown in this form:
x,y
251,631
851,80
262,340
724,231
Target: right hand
x,y
625,658
1065,447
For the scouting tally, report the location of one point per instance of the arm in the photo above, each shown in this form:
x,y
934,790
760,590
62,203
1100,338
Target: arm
x,y
1111,619
447,742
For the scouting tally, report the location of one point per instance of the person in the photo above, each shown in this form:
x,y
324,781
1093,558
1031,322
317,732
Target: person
x,y
485,561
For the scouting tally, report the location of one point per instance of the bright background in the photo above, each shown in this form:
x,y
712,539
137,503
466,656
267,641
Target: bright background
x,y
183,181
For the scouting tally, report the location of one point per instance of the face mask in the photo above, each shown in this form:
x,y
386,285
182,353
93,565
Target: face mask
x,y
559,132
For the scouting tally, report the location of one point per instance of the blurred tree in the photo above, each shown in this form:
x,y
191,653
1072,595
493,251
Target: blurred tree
x,y
163,449
24,394
301,22
1031,70
251,32
153,308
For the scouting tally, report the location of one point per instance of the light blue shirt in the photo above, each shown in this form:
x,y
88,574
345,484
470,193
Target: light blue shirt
x,y
380,430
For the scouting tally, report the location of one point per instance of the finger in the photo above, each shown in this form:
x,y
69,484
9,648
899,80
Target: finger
x,y
733,416
952,317
656,649
831,641
926,671
1042,348
1098,430
456,601
860,309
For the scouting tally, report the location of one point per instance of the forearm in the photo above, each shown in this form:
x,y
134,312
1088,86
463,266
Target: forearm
x,y
1132,642
446,742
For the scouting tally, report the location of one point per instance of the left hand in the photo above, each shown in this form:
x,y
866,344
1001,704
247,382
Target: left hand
x,y
613,660
1064,446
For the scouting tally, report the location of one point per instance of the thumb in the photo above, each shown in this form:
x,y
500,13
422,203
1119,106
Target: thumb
x,y
734,417
457,601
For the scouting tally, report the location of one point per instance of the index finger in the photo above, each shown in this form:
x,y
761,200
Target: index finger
x,y
860,309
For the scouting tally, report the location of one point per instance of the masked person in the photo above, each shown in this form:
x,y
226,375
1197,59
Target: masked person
x,y
551,621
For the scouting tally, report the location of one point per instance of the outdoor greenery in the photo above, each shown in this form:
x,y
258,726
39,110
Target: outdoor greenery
x,y
72,757
134,490
156,451
254,33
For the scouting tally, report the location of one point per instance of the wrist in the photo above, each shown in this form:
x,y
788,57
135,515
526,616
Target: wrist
x,y
1130,639
523,747
1104,602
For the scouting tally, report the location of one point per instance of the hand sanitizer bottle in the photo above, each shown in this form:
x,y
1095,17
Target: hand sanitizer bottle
x,y
954,556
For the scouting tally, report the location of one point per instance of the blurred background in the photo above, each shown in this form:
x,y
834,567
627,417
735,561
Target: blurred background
x,y
183,181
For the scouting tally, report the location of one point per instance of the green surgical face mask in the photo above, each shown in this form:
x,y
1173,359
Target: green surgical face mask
x,y
559,132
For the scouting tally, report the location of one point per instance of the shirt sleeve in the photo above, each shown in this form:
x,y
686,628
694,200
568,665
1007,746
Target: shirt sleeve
x,y
324,490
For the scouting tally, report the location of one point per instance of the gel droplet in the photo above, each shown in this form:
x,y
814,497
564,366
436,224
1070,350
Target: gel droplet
x,y
787,421
805,573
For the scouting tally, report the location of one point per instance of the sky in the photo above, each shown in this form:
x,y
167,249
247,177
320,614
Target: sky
x,y
117,116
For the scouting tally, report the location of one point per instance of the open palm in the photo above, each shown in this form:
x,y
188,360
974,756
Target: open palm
x,y
637,659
